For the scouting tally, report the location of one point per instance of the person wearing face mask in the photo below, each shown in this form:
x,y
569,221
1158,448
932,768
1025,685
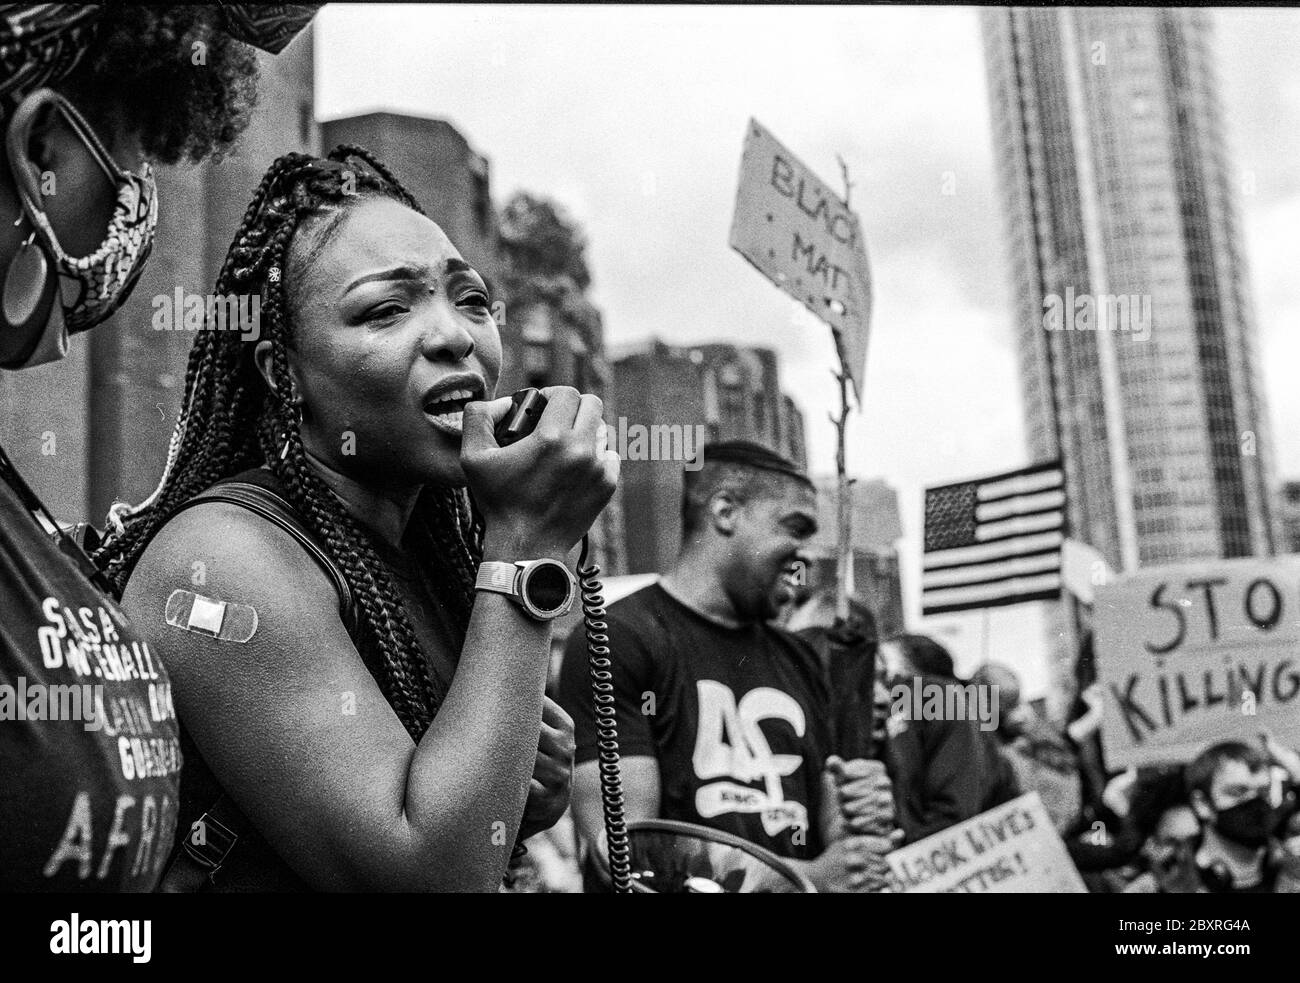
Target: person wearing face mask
x,y
1247,842
723,719
89,751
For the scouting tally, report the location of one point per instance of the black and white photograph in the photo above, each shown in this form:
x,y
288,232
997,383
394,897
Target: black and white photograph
x,y
587,449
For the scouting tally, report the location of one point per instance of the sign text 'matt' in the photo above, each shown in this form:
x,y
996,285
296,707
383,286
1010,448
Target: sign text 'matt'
x,y
806,240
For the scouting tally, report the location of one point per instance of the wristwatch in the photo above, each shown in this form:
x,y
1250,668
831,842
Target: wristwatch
x,y
544,588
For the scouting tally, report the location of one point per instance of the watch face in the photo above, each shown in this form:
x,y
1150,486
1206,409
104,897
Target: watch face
x,y
547,586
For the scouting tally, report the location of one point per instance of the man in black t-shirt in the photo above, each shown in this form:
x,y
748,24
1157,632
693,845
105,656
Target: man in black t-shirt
x,y
724,720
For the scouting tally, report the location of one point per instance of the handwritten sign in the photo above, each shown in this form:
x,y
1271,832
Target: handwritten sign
x,y
1011,849
1194,654
804,238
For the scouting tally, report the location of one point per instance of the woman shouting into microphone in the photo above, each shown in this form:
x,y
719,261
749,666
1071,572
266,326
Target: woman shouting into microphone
x,y
352,709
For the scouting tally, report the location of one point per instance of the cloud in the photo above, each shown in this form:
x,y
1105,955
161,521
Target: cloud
x,y
634,119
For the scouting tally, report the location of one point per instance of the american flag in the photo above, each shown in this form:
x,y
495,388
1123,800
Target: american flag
x,y
994,541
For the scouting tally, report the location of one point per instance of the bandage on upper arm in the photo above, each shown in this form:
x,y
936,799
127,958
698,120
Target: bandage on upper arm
x,y
226,621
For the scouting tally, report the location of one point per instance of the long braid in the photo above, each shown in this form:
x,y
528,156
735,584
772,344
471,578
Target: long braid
x,y
450,536
230,421
408,688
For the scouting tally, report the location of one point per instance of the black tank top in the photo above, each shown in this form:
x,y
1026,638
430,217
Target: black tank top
x,y
253,865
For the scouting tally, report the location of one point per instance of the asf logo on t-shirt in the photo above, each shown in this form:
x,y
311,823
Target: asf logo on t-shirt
x,y
729,743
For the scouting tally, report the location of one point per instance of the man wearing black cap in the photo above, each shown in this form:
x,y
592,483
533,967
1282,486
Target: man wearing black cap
x,y
724,720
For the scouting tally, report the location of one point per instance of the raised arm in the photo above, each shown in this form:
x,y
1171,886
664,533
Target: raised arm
x,y
296,729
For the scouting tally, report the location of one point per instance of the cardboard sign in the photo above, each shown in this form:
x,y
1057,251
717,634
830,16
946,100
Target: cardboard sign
x,y
1190,655
1083,570
1013,849
802,237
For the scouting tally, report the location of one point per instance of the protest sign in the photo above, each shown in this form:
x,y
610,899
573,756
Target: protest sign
x,y
1011,849
1198,653
1083,570
805,239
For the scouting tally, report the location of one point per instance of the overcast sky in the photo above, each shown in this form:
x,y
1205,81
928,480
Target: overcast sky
x,y
634,118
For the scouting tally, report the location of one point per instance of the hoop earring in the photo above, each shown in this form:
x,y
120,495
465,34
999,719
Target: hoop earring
x,y
27,281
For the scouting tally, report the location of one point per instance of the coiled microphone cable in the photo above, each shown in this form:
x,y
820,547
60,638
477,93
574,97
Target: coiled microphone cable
x,y
526,410
602,694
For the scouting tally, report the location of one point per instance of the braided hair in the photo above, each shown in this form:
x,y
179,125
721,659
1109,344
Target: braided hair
x,y
231,421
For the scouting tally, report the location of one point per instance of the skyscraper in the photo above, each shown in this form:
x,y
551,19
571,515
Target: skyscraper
x,y
1133,314
1290,509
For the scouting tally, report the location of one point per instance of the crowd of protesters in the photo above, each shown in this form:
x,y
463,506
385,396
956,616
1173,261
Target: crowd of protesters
x,y
454,763
1226,822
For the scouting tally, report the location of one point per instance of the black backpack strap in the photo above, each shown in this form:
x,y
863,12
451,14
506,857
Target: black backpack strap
x,y
204,849
272,507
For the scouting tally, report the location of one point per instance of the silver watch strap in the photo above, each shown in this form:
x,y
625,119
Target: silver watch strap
x,y
496,575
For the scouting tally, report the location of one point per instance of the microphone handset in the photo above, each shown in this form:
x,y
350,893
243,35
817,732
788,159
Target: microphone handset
x,y
526,409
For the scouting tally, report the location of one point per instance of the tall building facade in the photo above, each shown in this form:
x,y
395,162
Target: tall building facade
x,y
730,392
1136,333
1290,509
